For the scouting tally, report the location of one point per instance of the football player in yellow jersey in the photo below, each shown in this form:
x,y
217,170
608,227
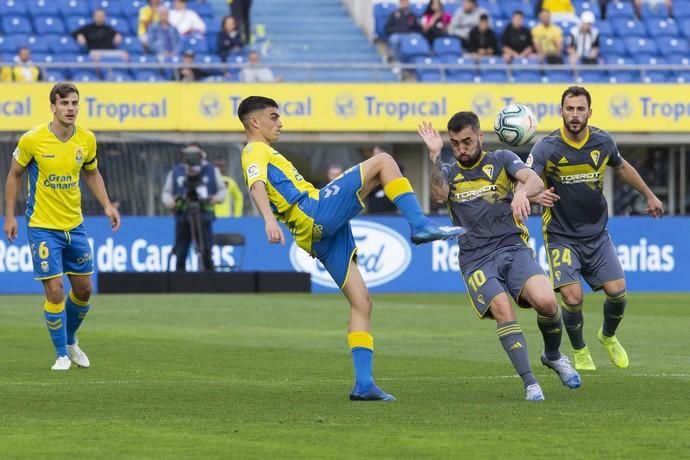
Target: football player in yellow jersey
x,y
320,220
55,155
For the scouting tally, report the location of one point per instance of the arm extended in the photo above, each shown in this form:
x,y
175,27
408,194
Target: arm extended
x,y
260,197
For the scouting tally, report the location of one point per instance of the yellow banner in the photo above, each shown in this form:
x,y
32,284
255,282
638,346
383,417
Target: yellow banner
x,y
341,107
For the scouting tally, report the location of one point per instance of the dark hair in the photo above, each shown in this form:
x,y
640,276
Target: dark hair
x,y
252,104
462,120
518,13
577,91
429,10
62,89
484,17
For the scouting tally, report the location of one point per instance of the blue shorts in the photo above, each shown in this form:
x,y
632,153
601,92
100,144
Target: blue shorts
x,y
595,260
332,240
56,252
506,270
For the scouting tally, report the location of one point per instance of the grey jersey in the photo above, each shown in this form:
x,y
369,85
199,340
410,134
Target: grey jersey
x,y
479,200
576,172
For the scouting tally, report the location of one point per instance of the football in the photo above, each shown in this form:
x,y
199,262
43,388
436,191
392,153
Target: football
x,y
515,125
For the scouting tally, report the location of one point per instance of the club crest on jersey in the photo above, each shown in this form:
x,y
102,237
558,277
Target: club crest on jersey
x,y
488,170
44,266
79,155
595,157
557,273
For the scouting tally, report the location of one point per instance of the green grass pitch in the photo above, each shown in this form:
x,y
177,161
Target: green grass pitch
x,y
267,376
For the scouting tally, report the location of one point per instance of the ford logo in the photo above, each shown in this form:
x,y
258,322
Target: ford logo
x,y
383,254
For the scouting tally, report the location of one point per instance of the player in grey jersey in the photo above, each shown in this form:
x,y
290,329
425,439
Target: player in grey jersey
x,y
572,162
495,259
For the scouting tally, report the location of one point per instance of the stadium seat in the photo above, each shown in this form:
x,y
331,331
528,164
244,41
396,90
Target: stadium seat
x,y
592,76
493,7
460,74
671,45
54,76
84,76
381,13
612,45
7,45
13,8
65,44
558,76
635,45
49,25
41,43
412,46
681,9
43,8
118,75
73,23
658,11
428,74
198,45
604,27
148,75
624,28
662,28
131,45
447,45
71,8
131,7
592,6
509,7
211,59
202,9
120,24
527,75
620,10
628,77
111,7
622,74
13,24
417,9
490,71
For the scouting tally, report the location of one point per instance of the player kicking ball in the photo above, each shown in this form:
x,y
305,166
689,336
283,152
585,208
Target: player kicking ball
x,y
320,220
56,154
495,258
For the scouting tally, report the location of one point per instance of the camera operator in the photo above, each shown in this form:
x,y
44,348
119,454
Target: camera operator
x,y
191,190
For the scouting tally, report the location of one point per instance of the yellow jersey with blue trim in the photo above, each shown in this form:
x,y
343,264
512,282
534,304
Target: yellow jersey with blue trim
x,y
54,166
293,199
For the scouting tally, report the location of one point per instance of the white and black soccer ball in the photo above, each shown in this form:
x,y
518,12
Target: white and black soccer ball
x,y
515,125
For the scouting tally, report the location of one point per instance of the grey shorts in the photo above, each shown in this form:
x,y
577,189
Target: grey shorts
x,y
506,270
595,260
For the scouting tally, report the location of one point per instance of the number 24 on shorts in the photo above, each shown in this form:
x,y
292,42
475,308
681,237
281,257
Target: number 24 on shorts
x,y
559,257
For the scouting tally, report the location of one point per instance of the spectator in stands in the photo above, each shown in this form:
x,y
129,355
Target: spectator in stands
x,y
229,39
186,21
400,21
548,39
255,72
233,204
193,184
517,39
164,39
333,172
465,19
435,21
561,10
148,15
189,72
654,4
23,70
240,9
98,35
482,41
583,42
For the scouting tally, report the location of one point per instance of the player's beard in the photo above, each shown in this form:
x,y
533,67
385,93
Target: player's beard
x,y
582,126
473,158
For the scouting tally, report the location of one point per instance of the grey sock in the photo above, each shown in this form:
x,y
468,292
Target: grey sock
x,y
574,321
515,345
551,328
614,306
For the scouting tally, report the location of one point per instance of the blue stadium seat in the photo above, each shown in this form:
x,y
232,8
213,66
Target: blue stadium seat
x,y
131,45
84,75
54,75
527,75
684,27
592,6
493,7
430,74
558,76
118,75
635,45
12,43
70,8
681,10
65,44
592,76
43,8
653,11
211,59
604,27
624,28
662,28
451,8
447,45
13,8
489,70
198,45
120,24
627,77
620,10
73,23
417,9
6,45
13,24
111,7
39,57
41,43
654,75
148,75
511,6
381,13
131,7
682,75
202,9
49,25
412,46
671,45
460,74
622,74
612,45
